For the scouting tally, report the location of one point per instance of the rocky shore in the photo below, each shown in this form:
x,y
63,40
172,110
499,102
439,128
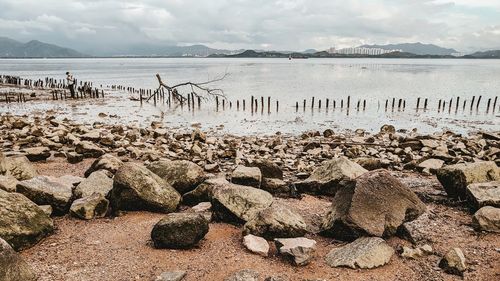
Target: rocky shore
x,y
81,201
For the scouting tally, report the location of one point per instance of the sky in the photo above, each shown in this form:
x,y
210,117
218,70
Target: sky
x,y
98,25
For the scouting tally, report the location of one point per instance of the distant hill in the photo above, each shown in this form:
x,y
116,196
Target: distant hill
x,y
154,50
34,49
493,54
416,48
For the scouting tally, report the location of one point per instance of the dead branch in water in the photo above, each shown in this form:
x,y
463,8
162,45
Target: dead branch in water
x,y
200,90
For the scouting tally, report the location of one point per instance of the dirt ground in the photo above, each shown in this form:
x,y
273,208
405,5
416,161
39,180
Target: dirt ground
x,y
120,248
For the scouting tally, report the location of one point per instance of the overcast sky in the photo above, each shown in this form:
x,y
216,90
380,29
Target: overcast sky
x,y
260,24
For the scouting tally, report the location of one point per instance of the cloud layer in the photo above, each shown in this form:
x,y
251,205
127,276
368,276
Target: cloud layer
x,y
92,25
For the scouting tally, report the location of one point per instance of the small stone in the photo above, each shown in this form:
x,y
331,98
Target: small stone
x,y
454,262
365,252
411,253
256,244
93,206
243,275
301,249
171,276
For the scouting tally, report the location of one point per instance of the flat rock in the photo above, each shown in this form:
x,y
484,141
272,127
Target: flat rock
x,y
365,252
37,153
301,250
250,176
484,194
256,244
431,165
182,175
12,265
243,275
8,183
137,188
179,230
456,178
97,182
22,222
487,219
45,190
376,205
331,176
276,187
106,162
454,262
90,207
171,276
89,149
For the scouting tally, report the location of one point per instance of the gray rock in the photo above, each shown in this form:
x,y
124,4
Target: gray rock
x,y
183,175
331,176
171,276
8,183
89,149
277,221
484,194
372,163
37,153
237,203
257,245
301,250
487,219
365,252
137,188
45,190
456,178
276,187
97,182
20,168
243,275
74,157
90,207
376,205
179,230
250,176
106,162
22,222
12,265
454,262
268,169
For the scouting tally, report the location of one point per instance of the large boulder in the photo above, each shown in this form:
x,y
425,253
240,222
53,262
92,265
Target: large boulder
x,y
375,205
90,207
22,222
301,250
331,176
365,252
46,190
487,219
237,203
250,176
39,153
456,178
137,188
106,162
182,175
204,191
8,183
20,168
179,230
268,168
97,182
12,265
277,221
484,194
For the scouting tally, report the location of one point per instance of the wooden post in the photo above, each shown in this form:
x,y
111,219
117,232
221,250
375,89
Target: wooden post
x,y
327,102
386,103
319,104
277,106
251,103
357,107
217,103
312,102
458,102
304,104
348,101
243,105
268,104
425,104
364,105
296,106
488,106
478,101
472,102
495,104
238,105
439,106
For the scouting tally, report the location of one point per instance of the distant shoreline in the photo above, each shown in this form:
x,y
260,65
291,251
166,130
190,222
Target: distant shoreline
x,y
250,57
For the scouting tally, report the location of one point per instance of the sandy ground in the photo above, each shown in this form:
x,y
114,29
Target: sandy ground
x,y
120,248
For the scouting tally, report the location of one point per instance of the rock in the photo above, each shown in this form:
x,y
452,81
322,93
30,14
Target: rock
x,y
3,164
276,278
371,164
137,188
97,182
106,162
487,219
70,180
484,194
74,157
237,203
454,262
268,169
179,230
431,165
45,190
20,168
198,135
387,129
8,183
89,149
204,191
22,222
328,133
277,221
212,168
12,265
37,153
171,276
365,252
411,253
46,209
331,176
205,209
376,205
302,250
90,207
276,187
257,245
456,178
182,175
250,176
243,275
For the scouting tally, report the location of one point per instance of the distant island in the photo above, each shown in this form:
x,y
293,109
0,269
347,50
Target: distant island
x,y
10,48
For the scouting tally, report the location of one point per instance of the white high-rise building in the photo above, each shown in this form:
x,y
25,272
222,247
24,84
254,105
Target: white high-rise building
x,y
362,51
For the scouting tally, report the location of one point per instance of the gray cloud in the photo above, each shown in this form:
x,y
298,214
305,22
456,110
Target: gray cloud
x,y
281,24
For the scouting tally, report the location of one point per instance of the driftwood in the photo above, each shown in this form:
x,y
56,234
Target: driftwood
x,y
200,90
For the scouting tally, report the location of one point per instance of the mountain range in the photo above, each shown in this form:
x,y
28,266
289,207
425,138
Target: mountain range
x,y
416,48
34,49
